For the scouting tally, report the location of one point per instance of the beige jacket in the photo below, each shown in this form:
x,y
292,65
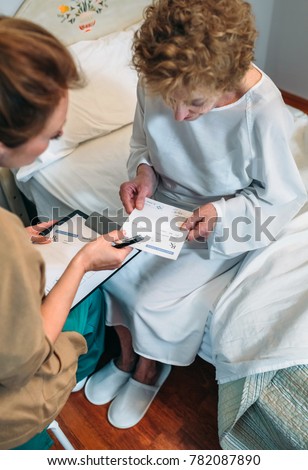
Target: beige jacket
x,y
36,377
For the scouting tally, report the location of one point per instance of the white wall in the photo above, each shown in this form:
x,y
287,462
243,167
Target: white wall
x,y
9,7
263,11
287,56
282,46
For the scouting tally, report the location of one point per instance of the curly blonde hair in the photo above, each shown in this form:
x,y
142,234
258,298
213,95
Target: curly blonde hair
x,y
193,44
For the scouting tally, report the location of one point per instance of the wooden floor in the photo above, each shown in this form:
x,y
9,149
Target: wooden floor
x,y
182,416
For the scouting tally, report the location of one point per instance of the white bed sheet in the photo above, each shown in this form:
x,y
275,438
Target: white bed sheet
x,y
260,323
88,179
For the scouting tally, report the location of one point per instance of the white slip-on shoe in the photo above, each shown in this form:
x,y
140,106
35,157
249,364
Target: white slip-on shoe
x,y
105,384
133,400
79,385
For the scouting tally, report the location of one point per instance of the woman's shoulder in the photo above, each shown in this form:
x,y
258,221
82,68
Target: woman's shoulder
x,y
15,245
11,228
8,218
265,104
263,90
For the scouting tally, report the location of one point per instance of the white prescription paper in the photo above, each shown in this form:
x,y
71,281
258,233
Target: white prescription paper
x,y
160,225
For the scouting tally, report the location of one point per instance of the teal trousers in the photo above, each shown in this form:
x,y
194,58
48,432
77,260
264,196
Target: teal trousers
x,y
88,318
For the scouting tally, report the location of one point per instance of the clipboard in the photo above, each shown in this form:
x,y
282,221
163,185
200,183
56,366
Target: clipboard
x,y
101,224
46,231
68,236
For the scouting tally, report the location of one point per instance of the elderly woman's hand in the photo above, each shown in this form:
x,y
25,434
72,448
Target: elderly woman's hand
x,y
201,223
134,192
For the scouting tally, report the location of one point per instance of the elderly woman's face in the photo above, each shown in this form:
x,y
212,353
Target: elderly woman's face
x,y
26,153
190,106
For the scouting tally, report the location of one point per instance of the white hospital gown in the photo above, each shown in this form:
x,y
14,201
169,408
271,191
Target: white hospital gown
x,y
241,149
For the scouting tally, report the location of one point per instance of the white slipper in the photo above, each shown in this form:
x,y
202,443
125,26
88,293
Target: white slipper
x,y
133,400
105,384
79,385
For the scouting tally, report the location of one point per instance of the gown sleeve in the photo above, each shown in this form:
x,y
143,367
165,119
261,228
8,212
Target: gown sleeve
x,y
257,213
139,152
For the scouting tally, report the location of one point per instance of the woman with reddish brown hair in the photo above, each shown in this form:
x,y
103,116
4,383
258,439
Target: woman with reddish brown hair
x,y
38,361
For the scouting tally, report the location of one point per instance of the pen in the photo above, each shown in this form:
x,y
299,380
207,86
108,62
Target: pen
x,y
127,241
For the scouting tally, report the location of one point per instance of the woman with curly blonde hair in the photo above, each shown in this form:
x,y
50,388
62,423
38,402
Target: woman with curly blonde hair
x,y
211,135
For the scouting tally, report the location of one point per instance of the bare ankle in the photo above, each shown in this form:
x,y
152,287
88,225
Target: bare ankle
x,y
126,364
147,372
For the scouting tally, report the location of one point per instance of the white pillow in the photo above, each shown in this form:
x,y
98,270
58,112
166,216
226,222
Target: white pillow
x,y
106,103
108,100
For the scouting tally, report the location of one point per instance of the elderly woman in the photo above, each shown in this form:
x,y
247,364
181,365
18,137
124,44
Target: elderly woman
x,y
38,361
210,135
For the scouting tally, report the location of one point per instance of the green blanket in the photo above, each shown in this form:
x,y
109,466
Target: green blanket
x,y
265,411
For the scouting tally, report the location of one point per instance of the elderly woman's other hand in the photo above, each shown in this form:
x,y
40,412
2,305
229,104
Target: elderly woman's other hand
x,y
202,223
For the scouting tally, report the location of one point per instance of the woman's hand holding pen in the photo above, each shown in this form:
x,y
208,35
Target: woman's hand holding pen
x,y
100,253
95,255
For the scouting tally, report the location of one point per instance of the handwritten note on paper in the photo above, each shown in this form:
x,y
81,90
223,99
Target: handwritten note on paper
x,y
159,224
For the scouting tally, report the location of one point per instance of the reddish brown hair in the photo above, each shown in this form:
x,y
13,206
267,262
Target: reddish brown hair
x,y
35,71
